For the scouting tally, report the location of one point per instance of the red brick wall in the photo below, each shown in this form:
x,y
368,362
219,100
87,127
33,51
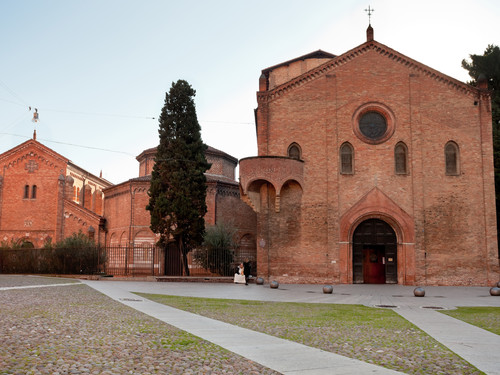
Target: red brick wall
x,y
117,211
453,216
30,218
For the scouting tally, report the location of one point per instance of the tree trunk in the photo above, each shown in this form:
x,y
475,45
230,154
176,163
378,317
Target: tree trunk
x,y
184,257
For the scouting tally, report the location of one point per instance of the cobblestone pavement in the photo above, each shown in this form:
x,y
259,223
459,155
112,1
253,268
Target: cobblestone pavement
x,y
51,325
76,330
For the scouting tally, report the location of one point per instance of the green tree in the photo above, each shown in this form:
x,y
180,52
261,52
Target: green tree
x,y
488,65
78,254
217,253
178,184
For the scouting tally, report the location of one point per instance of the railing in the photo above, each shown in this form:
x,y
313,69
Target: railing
x,y
88,260
144,260
135,261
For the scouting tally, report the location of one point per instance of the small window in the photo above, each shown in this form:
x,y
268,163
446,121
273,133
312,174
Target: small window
x,y
401,158
33,192
346,159
452,159
294,151
26,192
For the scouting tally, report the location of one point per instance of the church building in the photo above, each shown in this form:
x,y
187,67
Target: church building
x,y
45,198
372,168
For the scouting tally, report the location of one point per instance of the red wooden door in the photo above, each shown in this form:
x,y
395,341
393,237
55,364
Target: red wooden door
x,y
373,266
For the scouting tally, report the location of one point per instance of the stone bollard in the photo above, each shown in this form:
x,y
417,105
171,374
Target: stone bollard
x,y
495,291
327,289
259,281
419,292
274,284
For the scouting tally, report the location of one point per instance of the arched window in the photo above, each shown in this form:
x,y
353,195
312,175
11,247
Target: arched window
x,y
26,192
401,158
33,192
294,151
346,159
452,159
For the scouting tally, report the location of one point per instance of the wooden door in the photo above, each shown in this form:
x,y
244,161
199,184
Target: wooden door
x,y
374,253
373,265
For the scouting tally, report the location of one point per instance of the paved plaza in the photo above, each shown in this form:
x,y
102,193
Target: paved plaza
x,y
475,345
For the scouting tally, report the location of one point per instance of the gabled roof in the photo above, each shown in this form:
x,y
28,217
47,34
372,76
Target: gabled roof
x,y
63,160
36,144
370,45
319,54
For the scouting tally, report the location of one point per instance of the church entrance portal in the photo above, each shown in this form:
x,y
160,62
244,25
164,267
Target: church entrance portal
x,y
374,253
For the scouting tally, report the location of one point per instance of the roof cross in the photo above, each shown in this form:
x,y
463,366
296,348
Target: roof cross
x,y
369,11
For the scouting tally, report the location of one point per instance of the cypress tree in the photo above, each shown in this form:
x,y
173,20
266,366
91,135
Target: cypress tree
x,y
178,184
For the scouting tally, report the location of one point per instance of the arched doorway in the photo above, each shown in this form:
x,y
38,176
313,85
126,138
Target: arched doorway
x,y
374,255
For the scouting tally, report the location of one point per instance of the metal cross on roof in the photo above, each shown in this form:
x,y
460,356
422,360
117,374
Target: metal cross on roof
x,y
369,11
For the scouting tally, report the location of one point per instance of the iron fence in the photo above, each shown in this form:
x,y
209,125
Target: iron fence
x,y
143,260
88,260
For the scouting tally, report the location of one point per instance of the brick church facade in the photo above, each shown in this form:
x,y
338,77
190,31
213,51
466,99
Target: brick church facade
x,y
45,198
372,168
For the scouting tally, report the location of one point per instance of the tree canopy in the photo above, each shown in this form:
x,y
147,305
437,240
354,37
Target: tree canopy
x,y
178,184
488,64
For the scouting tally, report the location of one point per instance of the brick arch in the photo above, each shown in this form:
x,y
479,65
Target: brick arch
x,y
144,237
114,240
377,205
259,191
247,247
123,239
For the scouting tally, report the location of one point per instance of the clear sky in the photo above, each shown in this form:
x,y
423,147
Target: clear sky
x,y
97,70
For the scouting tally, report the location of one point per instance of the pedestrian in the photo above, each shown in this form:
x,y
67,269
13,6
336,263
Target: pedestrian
x,y
246,270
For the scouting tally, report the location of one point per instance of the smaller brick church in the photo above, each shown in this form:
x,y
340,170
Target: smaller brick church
x,y
45,198
372,168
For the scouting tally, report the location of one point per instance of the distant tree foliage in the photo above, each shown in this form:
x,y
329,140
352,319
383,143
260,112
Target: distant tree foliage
x,y
178,184
217,253
488,64
79,254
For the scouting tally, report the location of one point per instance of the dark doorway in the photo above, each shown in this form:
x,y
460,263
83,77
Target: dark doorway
x,y
173,262
374,253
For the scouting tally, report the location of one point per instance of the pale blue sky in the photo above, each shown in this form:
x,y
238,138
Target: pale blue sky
x,y
98,70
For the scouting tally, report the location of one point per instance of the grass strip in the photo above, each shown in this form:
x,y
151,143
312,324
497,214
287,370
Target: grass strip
x,y
373,335
487,318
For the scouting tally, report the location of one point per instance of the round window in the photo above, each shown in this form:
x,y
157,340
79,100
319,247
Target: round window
x,y
372,125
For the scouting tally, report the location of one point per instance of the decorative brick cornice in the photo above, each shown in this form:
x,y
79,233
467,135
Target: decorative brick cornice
x,y
33,145
372,46
117,193
227,190
73,211
32,155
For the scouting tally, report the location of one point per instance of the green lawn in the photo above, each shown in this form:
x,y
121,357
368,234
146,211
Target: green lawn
x,y
378,336
487,318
